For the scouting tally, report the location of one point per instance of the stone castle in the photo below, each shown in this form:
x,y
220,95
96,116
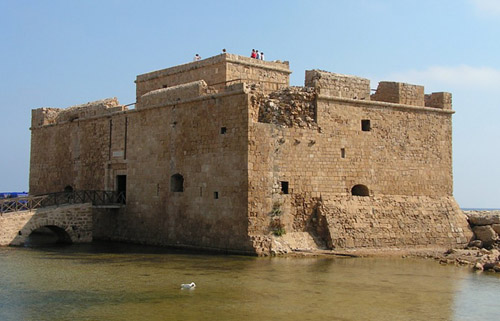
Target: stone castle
x,y
223,154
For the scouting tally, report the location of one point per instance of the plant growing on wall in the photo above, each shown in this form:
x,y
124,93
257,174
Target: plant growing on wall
x,y
276,225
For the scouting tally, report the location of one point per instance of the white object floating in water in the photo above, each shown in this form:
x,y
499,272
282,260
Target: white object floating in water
x,y
188,286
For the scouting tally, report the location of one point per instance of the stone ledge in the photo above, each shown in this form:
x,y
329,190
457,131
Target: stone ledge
x,y
385,105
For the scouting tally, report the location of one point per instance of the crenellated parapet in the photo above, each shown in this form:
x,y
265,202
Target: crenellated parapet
x,y
408,94
439,100
328,84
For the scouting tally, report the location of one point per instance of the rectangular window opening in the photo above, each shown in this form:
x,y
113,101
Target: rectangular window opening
x,y
284,187
342,152
365,125
216,195
223,130
121,187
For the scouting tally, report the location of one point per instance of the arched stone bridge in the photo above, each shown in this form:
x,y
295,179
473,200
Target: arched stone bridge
x,y
68,215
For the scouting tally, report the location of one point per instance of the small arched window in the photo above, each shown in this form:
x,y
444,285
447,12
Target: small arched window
x,y
360,190
177,183
68,189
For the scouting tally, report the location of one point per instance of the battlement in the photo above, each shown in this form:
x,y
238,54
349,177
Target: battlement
x,y
407,94
353,87
48,115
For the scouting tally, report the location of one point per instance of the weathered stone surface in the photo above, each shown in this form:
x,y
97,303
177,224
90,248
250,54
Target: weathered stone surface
x,y
483,217
496,228
486,234
476,243
401,93
231,156
338,85
75,220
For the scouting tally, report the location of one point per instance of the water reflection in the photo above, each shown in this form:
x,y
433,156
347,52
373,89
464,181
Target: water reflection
x,y
124,282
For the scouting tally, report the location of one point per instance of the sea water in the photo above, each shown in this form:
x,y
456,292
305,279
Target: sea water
x,y
107,281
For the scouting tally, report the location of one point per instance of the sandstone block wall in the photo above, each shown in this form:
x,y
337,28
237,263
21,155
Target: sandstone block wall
x,y
172,95
268,75
395,221
439,100
404,151
204,141
75,220
214,158
338,85
218,72
47,116
76,153
399,93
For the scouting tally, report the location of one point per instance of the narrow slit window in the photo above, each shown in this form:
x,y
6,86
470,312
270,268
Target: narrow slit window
x,y
342,152
216,195
365,125
284,187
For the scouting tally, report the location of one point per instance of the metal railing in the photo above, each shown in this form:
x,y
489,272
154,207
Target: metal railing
x,y
97,198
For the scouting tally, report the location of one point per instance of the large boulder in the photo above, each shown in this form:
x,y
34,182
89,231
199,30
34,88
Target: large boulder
x,y
485,234
483,218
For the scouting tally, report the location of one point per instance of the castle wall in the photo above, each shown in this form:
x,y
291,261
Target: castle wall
x,y
202,138
70,147
394,221
220,154
338,85
204,141
405,152
399,93
218,72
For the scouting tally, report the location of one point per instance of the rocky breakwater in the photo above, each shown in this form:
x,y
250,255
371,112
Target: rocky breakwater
x,y
483,252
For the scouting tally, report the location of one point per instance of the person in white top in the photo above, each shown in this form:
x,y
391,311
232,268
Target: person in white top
x,y
196,57
261,56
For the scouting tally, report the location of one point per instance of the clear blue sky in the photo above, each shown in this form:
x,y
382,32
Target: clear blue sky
x,y
63,53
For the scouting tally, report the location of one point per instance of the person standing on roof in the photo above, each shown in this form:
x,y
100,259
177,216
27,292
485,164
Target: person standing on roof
x,y
196,57
253,55
261,56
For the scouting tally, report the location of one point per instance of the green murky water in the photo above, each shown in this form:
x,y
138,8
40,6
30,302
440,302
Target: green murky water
x,y
124,282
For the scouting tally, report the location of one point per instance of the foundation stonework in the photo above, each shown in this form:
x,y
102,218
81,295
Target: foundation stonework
x,y
222,154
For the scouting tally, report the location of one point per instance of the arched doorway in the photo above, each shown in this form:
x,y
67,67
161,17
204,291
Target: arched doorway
x,y
360,190
47,235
